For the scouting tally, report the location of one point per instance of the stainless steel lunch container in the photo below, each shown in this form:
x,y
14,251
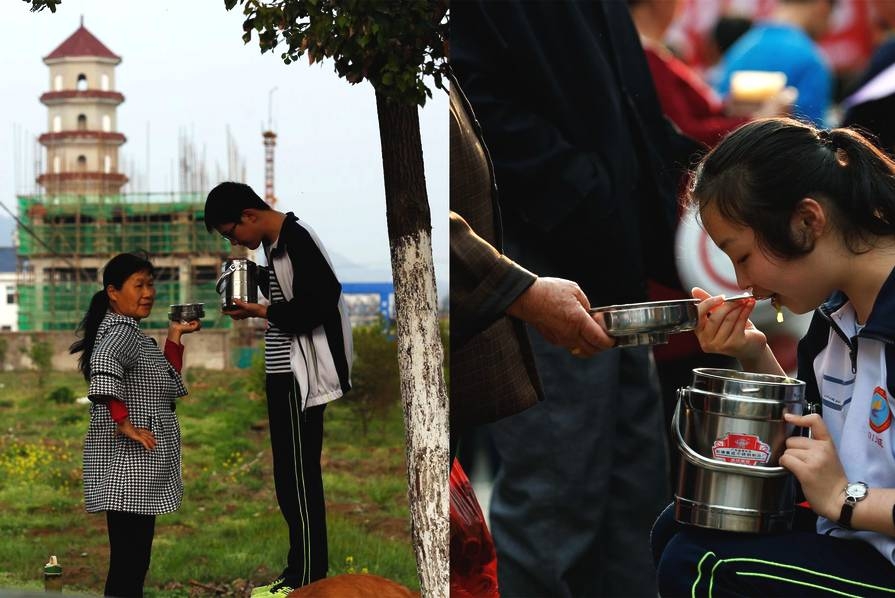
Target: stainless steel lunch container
x,y
648,323
238,280
730,433
186,312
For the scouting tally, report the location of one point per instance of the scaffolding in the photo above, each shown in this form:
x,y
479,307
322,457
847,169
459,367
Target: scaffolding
x,y
64,241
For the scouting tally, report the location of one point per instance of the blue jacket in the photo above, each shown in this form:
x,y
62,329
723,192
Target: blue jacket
x,y
778,47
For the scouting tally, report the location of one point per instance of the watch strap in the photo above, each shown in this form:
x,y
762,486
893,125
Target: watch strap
x,y
845,514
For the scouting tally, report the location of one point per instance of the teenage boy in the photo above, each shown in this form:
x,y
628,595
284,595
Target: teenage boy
x,y
307,360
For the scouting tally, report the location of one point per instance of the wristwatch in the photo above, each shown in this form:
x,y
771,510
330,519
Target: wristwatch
x,y
854,492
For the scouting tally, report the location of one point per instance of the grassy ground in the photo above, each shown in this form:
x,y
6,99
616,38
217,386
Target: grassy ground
x,y
228,533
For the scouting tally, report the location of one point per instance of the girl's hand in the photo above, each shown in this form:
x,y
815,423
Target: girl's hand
x,y
141,435
725,328
816,465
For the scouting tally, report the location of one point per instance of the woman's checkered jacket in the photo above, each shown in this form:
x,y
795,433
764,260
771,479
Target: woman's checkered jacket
x,y
119,473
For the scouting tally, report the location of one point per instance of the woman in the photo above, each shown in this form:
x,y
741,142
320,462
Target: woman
x,y
807,217
132,449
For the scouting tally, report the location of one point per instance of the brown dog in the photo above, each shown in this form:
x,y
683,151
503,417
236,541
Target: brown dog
x,y
354,585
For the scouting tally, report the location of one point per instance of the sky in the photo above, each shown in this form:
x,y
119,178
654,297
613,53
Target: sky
x,y
185,71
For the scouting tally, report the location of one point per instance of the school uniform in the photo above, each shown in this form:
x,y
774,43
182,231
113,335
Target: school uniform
x,y
308,356
849,370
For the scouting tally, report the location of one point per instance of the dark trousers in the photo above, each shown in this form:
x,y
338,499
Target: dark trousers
x,y
694,561
582,478
130,547
296,439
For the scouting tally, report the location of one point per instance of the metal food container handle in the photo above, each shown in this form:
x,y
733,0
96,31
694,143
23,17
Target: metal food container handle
x,y
713,464
229,272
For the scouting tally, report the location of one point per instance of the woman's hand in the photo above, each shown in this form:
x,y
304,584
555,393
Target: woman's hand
x,y
725,328
816,465
141,435
178,329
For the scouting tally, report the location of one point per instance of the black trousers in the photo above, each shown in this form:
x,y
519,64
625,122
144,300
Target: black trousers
x,y
130,546
296,439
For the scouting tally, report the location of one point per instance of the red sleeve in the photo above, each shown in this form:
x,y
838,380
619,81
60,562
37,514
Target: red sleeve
x,y
688,101
174,354
117,409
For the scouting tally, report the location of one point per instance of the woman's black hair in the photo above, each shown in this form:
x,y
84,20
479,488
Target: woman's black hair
x,y
117,270
757,175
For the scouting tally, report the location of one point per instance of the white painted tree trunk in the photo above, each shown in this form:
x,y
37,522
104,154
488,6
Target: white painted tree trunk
x,y
420,358
420,353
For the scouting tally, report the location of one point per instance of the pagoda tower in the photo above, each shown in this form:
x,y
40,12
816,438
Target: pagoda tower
x,y
82,142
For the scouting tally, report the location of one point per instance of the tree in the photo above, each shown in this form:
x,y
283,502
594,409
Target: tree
x,y
394,46
375,383
41,354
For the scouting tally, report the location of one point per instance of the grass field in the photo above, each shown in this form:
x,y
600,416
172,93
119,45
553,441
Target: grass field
x,y
228,534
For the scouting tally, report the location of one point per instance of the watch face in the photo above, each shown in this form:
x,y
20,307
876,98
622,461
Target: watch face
x,y
856,490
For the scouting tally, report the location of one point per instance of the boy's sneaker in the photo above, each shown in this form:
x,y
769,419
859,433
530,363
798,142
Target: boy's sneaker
x,y
277,587
282,590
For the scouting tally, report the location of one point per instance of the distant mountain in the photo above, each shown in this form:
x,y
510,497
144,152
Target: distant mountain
x,y
348,271
7,228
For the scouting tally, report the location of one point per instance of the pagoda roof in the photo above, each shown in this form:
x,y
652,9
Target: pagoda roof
x,y
81,43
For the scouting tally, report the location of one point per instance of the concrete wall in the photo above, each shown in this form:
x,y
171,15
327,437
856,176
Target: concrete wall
x,y
210,349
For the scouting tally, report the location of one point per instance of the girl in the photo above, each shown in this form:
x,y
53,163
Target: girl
x,y
808,219
132,449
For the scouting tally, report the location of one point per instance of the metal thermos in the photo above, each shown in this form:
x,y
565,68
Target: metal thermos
x,y
238,280
730,433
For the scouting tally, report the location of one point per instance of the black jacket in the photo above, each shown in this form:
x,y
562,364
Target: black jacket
x,y
588,168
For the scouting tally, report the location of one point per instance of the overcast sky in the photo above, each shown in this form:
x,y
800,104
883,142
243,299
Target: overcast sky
x,y
185,70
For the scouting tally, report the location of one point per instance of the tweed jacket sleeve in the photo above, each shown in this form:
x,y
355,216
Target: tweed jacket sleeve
x,y
116,352
483,281
493,373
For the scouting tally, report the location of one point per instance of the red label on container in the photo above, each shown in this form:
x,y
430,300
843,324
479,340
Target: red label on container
x,y
746,449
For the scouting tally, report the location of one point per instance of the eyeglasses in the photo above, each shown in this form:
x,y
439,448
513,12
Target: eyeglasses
x,y
229,235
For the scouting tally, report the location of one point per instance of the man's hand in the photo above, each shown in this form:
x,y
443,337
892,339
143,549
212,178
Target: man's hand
x,y
141,435
246,310
558,309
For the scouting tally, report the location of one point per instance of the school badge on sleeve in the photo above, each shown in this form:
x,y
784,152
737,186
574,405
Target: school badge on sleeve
x,y
880,413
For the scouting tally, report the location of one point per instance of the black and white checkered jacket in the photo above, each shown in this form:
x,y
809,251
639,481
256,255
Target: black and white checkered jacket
x,y
119,473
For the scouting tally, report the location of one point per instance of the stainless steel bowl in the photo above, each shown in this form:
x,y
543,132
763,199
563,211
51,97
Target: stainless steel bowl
x,y
648,323
186,312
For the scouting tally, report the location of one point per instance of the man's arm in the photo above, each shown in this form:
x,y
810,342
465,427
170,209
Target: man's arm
x,y
316,290
486,285
483,282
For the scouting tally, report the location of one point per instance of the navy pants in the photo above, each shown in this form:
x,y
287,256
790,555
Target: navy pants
x,y
693,561
296,439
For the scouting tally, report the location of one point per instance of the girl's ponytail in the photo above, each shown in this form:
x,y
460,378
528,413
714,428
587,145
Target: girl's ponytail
x,y
866,187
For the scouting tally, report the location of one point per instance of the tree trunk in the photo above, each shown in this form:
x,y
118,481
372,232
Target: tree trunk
x,y
420,353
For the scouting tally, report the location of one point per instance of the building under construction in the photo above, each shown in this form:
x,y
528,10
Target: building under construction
x,y
67,233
